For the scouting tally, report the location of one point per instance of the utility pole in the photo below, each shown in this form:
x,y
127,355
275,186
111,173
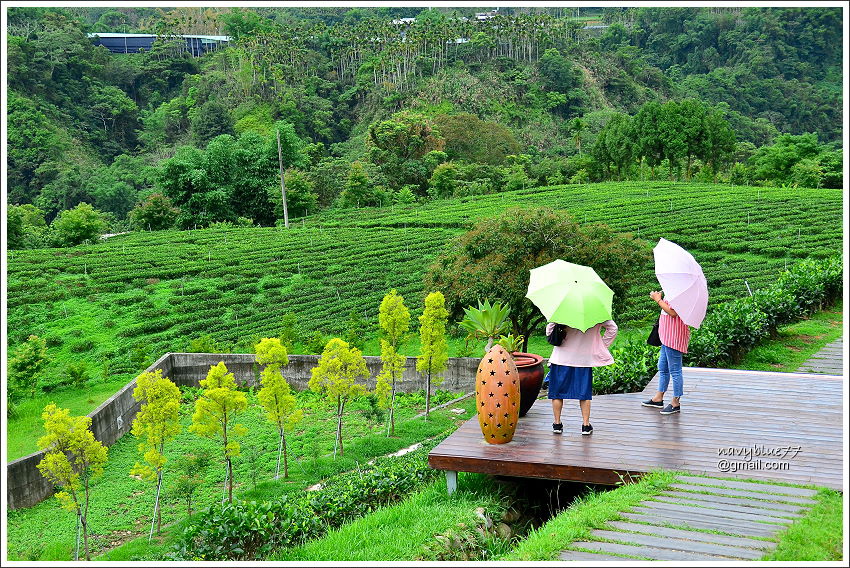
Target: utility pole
x,y
282,184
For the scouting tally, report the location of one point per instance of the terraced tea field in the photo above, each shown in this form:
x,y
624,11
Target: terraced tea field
x,y
139,295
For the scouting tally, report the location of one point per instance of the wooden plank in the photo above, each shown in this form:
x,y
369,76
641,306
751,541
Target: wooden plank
x,y
698,547
653,553
581,555
720,523
688,509
737,529
726,507
741,493
767,488
694,535
720,501
608,454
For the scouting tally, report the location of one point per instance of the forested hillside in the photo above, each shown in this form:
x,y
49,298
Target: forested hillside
x,y
402,105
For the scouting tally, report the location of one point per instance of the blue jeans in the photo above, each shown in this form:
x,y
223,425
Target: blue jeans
x,y
670,364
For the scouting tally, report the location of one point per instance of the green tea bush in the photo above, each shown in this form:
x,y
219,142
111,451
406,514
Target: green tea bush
x,y
730,330
248,530
633,368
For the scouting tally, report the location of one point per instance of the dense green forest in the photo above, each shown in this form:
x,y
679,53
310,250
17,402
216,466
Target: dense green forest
x,y
374,107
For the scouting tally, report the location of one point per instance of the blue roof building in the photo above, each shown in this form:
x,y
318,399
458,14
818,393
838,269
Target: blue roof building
x,y
197,45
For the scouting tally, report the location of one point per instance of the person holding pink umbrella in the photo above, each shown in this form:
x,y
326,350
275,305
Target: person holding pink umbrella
x,y
686,293
675,336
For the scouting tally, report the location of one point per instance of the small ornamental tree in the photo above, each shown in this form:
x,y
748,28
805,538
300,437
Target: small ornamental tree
x,y
392,366
275,395
157,421
215,412
72,459
394,319
191,468
25,366
434,350
336,375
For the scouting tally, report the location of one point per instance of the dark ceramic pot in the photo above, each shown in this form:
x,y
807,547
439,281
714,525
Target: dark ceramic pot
x,y
530,367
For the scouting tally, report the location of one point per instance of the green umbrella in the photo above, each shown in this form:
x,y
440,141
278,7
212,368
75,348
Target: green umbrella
x,y
570,294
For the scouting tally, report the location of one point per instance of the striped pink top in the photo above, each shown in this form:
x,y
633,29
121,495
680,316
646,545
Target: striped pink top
x,y
674,333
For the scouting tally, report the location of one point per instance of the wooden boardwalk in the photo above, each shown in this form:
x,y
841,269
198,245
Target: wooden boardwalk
x,y
745,518
768,426
829,360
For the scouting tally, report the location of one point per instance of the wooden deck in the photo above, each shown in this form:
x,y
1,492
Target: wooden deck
x,y
793,420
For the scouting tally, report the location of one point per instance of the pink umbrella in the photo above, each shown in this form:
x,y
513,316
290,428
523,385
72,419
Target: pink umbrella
x,y
682,280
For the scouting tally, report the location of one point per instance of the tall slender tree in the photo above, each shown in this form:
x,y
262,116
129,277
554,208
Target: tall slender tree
x,y
72,459
215,412
394,319
434,349
275,395
157,421
336,375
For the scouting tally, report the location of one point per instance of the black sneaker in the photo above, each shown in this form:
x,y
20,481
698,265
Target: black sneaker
x,y
586,430
652,404
670,409
557,428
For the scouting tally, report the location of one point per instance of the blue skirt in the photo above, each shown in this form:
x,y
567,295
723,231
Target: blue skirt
x,y
570,382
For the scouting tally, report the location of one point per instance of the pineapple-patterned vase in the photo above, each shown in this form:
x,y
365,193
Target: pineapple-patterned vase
x,y
497,395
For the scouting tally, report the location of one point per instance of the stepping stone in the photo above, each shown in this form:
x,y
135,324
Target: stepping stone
x,y
582,555
650,541
742,528
764,487
654,554
740,493
720,501
705,511
725,507
655,530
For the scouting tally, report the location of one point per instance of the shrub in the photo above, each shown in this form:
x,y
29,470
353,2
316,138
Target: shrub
x,y
155,213
251,530
731,329
633,368
204,344
78,225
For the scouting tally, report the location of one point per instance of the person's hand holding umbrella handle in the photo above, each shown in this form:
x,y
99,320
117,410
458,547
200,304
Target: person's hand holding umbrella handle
x,y
656,295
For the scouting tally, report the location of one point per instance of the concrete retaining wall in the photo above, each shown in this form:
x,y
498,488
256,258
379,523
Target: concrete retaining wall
x,y
114,418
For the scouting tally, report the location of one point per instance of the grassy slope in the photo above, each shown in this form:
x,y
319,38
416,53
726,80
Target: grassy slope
x,y
402,531
796,342
816,537
121,506
25,430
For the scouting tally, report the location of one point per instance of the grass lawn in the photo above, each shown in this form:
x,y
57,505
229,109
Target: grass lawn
x,y
817,536
796,342
24,431
402,532
588,512
121,506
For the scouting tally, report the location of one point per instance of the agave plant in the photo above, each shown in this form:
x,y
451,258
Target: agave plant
x,y
485,321
512,343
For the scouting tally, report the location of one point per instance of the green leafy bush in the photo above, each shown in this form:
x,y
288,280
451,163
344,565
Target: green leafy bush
x,y
633,368
731,329
246,530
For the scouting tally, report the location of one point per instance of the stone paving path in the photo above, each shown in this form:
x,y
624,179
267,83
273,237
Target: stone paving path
x,y
828,360
674,524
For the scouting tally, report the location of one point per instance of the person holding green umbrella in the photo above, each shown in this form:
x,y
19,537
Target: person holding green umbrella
x,y
574,297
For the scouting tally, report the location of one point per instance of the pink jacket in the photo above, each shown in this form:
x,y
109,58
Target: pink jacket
x,y
584,349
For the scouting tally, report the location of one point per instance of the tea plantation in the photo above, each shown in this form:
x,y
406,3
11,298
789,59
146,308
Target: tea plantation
x,y
123,302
